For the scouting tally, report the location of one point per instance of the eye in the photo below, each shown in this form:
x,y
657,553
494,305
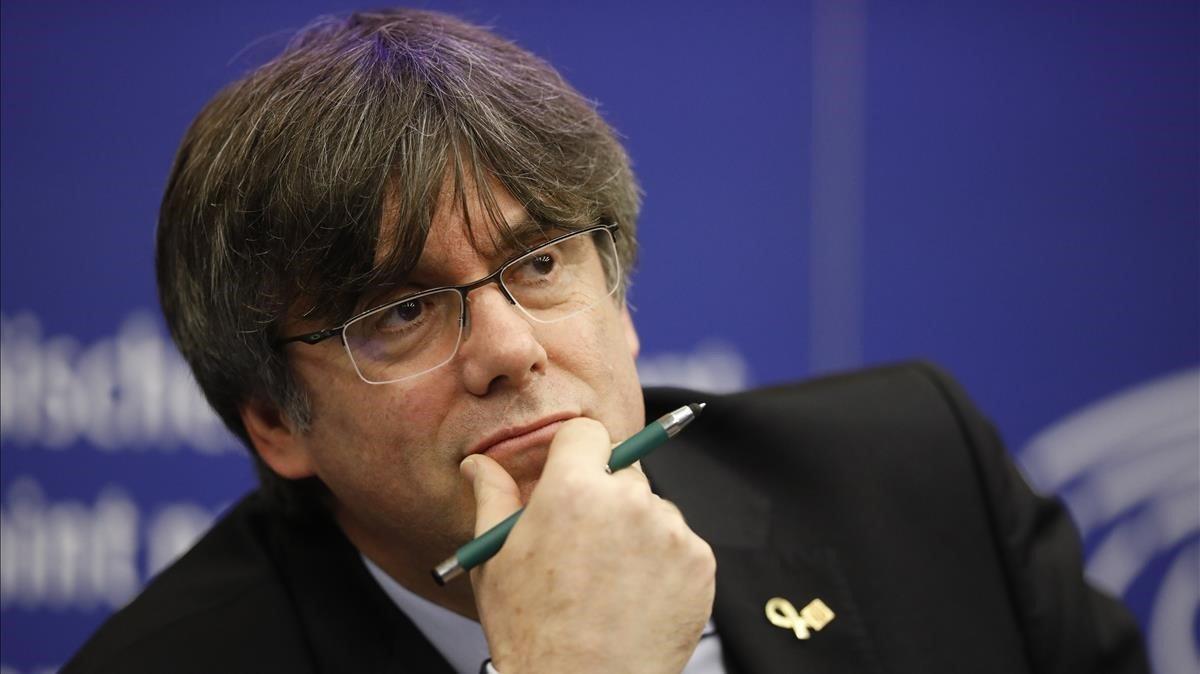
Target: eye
x,y
402,314
408,311
542,263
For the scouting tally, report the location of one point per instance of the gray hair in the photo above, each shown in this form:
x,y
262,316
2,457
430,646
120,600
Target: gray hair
x,y
310,184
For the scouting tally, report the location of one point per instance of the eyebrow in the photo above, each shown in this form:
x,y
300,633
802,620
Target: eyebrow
x,y
528,232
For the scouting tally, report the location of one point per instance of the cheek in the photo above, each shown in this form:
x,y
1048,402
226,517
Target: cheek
x,y
585,347
596,352
615,346
626,388
385,417
380,443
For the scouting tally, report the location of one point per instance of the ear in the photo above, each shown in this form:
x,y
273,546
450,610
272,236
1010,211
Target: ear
x,y
276,440
631,336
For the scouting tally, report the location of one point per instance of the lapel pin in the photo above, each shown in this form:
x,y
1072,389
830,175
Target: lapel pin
x,y
815,616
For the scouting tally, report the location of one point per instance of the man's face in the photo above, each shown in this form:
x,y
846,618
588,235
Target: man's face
x,y
390,453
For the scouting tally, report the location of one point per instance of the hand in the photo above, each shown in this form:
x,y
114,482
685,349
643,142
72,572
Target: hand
x,y
599,574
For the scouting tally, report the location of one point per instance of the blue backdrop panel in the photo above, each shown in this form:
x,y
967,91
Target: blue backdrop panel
x,y
1008,188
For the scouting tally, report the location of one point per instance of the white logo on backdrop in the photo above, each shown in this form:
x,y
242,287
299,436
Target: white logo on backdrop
x,y
131,391
72,555
714,366
5,669
1128,468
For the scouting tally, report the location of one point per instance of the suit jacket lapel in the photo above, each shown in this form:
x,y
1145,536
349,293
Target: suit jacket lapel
x,y
761,553
351,624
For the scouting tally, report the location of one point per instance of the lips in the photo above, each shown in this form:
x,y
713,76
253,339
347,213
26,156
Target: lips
x,y
517,439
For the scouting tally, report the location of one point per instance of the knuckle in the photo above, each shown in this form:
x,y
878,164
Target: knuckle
x,y
706,560
695,549
672,509
626,501
677,538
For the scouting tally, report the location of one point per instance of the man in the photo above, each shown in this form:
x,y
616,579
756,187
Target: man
x,y
395,258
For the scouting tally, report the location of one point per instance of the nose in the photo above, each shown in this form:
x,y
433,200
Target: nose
x,y
500,348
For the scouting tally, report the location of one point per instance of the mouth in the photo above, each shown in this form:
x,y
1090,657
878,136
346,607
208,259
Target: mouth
x,y
515,440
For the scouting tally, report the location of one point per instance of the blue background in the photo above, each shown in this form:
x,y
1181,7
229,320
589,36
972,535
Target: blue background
x,y
1028,185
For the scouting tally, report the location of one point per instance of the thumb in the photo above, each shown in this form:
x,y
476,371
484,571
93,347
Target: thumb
x,y
496,494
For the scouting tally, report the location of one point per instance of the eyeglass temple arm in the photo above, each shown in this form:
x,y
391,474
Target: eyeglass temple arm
x,y
312,337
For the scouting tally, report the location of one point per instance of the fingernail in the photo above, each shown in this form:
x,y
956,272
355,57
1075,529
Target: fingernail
x,y
467,468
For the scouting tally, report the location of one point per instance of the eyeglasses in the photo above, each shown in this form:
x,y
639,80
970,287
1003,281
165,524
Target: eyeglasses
x,y
412,335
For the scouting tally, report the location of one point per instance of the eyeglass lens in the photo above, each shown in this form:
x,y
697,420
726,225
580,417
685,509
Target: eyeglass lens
x,y
550,283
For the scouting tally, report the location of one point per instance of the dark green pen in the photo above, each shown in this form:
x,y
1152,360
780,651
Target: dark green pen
x,y
643,442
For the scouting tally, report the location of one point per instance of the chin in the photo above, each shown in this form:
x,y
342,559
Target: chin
x,y
526,469
526,488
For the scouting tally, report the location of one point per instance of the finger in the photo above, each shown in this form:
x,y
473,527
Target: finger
x,y
496,494
634,476
580,444
634,468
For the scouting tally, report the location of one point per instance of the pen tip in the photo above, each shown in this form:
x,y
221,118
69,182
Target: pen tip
x,y
697,408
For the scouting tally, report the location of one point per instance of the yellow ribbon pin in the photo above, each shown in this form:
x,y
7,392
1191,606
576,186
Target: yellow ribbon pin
x,y
816,615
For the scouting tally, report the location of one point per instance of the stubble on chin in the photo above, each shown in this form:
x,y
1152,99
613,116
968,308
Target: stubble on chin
x,y
526,469
526,488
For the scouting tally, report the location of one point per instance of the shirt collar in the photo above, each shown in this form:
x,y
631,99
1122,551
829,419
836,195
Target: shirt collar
x,y
460,640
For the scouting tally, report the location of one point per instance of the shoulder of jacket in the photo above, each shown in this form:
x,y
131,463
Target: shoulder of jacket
x,y
220,597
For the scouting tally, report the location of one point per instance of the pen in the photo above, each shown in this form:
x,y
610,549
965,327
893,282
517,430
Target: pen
x,y
486,545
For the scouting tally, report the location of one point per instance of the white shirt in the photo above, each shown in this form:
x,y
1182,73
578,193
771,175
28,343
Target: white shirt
x,y
461,642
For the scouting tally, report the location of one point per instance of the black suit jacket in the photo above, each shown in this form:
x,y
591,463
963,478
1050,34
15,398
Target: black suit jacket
x,y
883,493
